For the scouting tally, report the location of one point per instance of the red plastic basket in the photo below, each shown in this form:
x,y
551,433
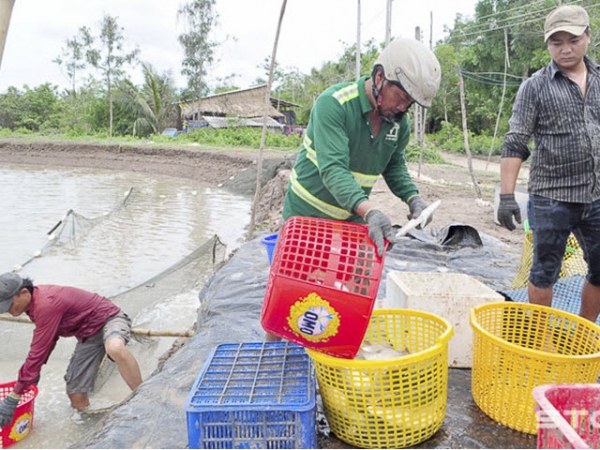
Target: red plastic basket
x,y
22,420
568,415
322,285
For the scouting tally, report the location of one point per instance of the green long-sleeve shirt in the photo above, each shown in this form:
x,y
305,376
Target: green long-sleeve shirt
x,y
340,160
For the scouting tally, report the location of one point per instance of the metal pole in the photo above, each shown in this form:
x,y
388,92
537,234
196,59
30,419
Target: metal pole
x,y
357,72
388,23
6,7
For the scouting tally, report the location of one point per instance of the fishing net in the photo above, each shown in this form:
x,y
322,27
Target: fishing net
x,y
188,274
573,262
73,227
167,290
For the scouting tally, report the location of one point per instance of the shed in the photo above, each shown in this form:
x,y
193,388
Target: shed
x,y
243,103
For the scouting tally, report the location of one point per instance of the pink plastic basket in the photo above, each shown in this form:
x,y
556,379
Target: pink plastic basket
x,y
568,415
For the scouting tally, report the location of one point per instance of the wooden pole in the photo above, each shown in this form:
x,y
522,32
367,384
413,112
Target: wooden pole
x,y
137,331
6,7
264,127
466,130
506,66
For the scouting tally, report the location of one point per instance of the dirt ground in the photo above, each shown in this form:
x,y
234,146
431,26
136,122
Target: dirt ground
x,y
452,183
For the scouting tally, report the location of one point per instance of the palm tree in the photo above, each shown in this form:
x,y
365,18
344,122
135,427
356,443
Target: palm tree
x,y
153,105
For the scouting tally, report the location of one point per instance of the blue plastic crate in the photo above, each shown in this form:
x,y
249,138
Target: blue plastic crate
x,y
254,395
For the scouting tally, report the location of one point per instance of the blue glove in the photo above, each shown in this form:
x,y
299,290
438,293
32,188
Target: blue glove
x,y
7,410
416,205
380,227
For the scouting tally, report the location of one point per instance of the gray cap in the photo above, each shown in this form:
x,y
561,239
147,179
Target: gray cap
x,y
10,285
570,18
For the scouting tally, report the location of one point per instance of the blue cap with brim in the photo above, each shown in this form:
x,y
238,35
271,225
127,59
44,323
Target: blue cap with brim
x,y
10,285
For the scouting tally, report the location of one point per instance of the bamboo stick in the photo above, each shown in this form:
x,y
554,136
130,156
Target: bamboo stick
x,y
6,7
138,331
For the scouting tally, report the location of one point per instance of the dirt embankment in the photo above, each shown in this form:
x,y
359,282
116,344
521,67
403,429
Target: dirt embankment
x,y
206,166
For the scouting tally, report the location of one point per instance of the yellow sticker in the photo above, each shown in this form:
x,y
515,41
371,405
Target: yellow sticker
x,y
21,427
313,318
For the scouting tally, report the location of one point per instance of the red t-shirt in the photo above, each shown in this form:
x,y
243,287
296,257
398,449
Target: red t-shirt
x,y
60,311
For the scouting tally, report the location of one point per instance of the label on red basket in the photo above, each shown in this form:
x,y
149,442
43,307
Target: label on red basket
x,y
313,318
21,427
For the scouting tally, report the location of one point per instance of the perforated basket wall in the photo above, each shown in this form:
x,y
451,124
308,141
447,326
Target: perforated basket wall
x,y
322,285
568,415
573,262
518,346
254,395
392,403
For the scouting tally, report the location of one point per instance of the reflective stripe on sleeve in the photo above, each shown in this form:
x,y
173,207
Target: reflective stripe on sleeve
x,y
332,211
365,180
347,93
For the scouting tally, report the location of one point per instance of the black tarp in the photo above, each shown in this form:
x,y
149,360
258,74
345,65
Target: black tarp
x,y
230,306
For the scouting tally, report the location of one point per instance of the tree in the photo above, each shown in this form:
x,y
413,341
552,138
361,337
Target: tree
x,y
72,59
37,109
278,73
153,106
447,98
11,109
110,58
200,18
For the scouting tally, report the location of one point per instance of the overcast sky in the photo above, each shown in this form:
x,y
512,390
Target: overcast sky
x,y
313,32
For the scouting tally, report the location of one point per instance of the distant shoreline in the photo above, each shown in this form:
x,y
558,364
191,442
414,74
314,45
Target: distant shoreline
x,y
205,166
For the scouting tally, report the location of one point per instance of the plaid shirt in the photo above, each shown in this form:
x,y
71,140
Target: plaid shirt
x,y
565,128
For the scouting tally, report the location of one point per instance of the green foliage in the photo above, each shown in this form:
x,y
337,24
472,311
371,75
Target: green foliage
x,y
198,47
431,154
35,109
153,106
110,58
499,47
475,45
234,137
22,132
451,138
303,89
72,60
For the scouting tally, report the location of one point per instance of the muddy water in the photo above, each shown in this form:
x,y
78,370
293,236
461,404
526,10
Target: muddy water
x,y
113,246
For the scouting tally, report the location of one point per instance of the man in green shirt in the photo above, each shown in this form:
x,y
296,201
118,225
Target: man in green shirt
x,y
358,131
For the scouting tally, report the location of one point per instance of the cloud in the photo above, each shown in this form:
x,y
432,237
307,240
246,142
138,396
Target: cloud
x,y
312,33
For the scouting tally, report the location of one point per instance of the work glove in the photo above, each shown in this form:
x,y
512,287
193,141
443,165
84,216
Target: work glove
x,y
380,228
508,208
7,410
416,205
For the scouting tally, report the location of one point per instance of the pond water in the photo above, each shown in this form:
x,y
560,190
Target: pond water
x,y
118,229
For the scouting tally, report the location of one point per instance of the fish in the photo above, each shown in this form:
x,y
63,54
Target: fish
x,y
419,221
380,351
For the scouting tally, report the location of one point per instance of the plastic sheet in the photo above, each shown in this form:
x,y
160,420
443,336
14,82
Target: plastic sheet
x,y
230,305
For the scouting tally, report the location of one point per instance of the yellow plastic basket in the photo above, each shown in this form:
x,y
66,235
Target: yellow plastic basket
x,y
391,403
518,346
572,263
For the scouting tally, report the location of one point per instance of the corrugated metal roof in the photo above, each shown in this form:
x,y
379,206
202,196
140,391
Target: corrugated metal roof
x,y
225,122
